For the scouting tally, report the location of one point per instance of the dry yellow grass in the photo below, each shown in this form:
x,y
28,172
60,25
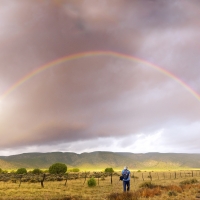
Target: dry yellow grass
x,y
58,190
75,188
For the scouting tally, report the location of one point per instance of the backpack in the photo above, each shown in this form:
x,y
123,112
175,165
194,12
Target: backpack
x,y
125,174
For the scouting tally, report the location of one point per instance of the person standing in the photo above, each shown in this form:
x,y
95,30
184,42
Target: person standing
x,y
126,179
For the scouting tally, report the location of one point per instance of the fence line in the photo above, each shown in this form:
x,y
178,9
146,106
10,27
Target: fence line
x,y
100,176
171,175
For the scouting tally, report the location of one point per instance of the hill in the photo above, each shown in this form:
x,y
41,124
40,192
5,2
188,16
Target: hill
x,y
6,165
100,160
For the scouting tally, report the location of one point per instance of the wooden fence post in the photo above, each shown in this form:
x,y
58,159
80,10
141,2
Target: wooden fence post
x,y
157,175
142,177
98,178
164,175
42,181
150,176
85,177
20,180
66,180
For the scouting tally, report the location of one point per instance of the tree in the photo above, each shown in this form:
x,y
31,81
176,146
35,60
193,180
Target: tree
x,y
109,170
21,171
57,168
37,171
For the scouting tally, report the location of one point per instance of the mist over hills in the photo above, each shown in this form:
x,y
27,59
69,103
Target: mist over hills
x,y
101,160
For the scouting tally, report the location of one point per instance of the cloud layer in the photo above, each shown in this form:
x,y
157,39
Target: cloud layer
x,y
116,104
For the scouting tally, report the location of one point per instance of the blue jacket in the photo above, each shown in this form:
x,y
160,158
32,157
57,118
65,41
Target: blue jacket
x,y
128,179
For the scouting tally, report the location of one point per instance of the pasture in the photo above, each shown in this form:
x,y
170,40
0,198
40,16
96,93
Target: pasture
x,y
74,186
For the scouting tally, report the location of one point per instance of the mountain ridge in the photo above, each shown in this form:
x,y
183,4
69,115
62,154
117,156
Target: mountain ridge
x,y
103,159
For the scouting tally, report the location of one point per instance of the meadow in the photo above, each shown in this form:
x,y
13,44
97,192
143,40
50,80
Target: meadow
x,y
163,185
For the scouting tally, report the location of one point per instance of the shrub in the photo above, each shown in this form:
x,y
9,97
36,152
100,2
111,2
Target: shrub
x,y
194,180
74,170
174,188
135,177
189,181
185,182
91,182
147,184
21,171
147,192
3,171
46,170
57,168
123,196
172,193
37,171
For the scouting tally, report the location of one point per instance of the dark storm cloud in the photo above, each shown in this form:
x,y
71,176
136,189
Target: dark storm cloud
x,y
99,96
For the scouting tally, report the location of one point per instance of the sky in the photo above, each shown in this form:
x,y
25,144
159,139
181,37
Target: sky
x,y
84,75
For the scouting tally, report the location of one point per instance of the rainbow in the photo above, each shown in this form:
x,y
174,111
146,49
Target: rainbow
x,y
90,54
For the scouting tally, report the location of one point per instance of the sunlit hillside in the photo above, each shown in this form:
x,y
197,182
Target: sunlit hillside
x,y
101,160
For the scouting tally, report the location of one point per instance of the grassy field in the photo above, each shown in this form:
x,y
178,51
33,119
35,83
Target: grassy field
x,y
76,189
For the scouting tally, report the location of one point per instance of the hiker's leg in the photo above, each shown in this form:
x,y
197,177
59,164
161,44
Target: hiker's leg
x,y
124,186
128,185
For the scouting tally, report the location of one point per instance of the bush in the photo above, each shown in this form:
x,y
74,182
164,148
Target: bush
x,y
174,188
172,193
149,192
123,196
135,177
189,181
74,170
3,171
57,168
46,171
194,180
37,171
21,171
147,185
91,182
109,170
